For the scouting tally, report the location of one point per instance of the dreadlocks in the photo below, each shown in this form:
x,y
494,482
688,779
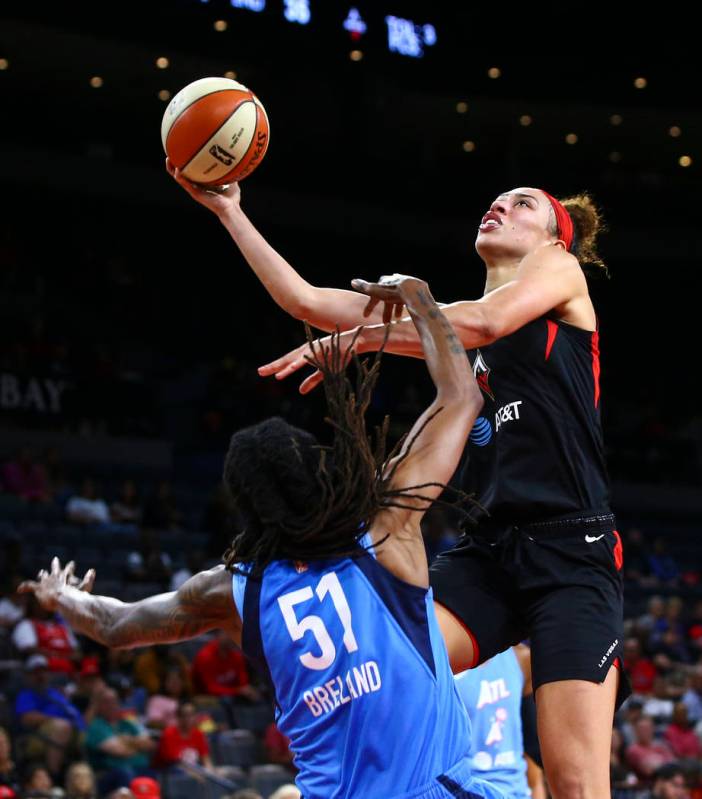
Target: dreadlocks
x,y
303,501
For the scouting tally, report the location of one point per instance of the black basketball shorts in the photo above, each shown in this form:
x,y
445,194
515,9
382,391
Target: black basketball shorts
x,y
556,583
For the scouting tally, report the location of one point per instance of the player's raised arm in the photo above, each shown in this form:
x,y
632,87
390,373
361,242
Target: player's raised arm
x,y
324,308
202,603
438,437
433,447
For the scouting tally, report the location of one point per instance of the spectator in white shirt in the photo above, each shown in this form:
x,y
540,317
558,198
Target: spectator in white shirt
x,y
86,507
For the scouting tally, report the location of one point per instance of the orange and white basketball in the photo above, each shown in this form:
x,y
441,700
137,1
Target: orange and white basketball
x,y
215,131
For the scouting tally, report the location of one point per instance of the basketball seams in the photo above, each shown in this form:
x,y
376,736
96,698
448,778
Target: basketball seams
x,y
239,104
199,89
214,134
243,158
260,114
191,104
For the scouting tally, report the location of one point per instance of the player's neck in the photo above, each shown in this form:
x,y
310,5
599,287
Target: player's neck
x,y
500,272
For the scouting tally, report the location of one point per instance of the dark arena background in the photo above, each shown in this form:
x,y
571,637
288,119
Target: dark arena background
x,y
131,327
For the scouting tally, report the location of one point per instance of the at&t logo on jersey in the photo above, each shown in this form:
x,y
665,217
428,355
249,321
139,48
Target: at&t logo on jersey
x,y
507,413
481,434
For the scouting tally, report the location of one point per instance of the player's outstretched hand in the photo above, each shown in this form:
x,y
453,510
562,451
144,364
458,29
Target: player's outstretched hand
x,y
221,200
395,291
308,353
48,586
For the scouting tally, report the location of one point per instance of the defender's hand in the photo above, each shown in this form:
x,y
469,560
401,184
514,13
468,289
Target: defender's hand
x,y
395,291
48,586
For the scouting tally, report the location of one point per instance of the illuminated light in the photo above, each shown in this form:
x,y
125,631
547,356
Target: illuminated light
x,y
4,63
571,138
220,25
461,107
468,146
640,83
674,131
685,160
356,55
615,157
164,95
230,74
429,32
494,72
616,119
525,120
404,37
354,24
297,11
162,62
249,5
96,81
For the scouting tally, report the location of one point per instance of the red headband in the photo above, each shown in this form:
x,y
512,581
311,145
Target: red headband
x,y
563,221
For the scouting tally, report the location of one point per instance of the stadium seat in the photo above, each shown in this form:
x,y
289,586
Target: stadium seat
x,y
238,748
33,532
234,775
133,592
12,507
268,778
65,535
253,717
183,786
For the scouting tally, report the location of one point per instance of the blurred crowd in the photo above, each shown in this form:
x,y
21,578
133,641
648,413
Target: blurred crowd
x,y
86,721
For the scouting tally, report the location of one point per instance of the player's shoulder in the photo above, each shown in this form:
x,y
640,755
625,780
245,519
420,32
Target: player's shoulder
x,y
551,257
210,590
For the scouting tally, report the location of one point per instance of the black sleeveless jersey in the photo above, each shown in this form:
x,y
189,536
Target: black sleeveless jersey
x,y
536,450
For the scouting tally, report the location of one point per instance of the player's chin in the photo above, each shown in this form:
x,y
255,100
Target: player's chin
x,y
487,245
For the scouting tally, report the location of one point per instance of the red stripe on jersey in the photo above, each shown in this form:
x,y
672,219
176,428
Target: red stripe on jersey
x,y
618,552
551,336
596,364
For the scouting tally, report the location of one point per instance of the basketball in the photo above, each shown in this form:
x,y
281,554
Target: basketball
x,y
215,131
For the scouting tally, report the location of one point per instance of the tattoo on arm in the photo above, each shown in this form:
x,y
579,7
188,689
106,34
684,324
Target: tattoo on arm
x,y
202,603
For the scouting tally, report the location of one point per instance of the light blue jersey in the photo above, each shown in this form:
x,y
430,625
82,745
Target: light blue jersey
x,y
361,679
492,694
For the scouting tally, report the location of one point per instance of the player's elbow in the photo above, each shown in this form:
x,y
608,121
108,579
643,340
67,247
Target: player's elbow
x,y
491,326
303,304
299,308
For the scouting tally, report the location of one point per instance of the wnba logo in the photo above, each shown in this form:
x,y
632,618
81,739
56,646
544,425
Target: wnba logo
x,y
481,434
221,155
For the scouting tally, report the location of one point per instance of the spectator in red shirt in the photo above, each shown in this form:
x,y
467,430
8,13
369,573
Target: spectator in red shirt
x,y
219,669
183,743
646,755
680,736
640,669
46,633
